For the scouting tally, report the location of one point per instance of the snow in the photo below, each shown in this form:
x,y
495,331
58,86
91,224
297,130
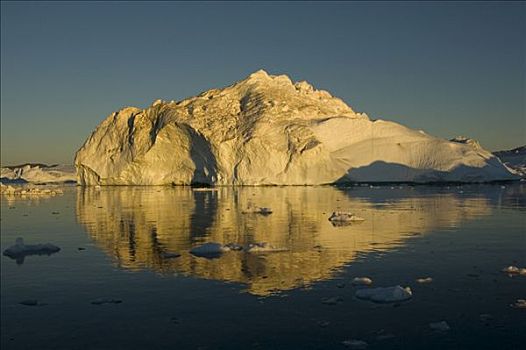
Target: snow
x,y
20,249
267,130
385,294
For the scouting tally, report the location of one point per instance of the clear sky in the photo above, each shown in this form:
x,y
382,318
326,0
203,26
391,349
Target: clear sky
x,y
447,68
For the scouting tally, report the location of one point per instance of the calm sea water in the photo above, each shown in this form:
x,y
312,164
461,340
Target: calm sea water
x,y
460,236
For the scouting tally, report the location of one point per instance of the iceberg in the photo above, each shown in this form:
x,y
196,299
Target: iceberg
x,y
269,130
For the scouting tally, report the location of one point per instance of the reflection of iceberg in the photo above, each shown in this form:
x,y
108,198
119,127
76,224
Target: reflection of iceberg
x,y
138,225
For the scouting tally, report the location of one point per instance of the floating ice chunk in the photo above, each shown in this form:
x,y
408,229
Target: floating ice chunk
x,y
258,210
101,301
234,246
519,304
331,300
21,250
355,344
424,280
340,216
169,255
362,281
209,250
385,294
514,270
441,326
263,247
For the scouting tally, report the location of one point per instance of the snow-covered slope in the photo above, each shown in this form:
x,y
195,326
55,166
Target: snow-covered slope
x,y
267,130
38,173
514,159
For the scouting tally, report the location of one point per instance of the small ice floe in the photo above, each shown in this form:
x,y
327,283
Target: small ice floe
x,y
343,218
331,300
169,255
485,317
234,246
441,326
258,210
514,270
263,247
362,281
20,250
323,324
355,344
209,250
424,280
204,189
385,294
101,301
519,304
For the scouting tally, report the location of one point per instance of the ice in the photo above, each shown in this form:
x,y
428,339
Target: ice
x,y
441,326
361,281
267,130
514,270
332,300
355,344
209,250
258,210
385,294
170,255
520,304
101,301
344,216
424,280
20,250
263,247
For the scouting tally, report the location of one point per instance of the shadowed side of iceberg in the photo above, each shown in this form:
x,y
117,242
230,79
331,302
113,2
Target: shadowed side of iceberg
x,y
380,171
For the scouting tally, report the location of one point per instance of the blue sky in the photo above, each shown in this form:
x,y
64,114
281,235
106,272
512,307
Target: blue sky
x,y
447,68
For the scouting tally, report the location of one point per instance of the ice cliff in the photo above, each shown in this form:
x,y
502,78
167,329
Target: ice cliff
x,y
268,130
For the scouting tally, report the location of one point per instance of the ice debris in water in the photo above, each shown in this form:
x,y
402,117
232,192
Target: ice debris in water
x,y
209,250
101,301
20,250
339,217
362,281
263,247
385,294
441,326
31,302
258,210
520,304
514,270
331,300
355,344
234,246
424,280
170,255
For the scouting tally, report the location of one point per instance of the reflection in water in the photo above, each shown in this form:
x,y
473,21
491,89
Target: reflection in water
x,y
140,226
